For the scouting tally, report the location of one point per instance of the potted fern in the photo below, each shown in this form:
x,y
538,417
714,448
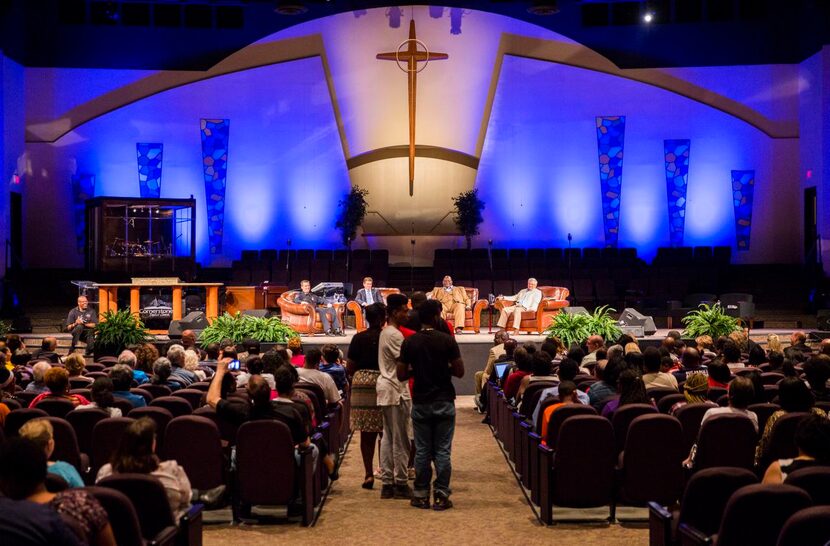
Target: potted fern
x,y
239,327
116,331
602,323
575,329
709,320
468,216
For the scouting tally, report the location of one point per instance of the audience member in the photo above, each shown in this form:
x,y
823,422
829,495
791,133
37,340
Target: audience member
x,y
26,523
23,470
295,347
776,361
731,356
57,381
719,374
606,387
331,365
178,373
631,390
161,374
75,365
136,453
695,390
128,358
593,344
540,370
705,346
42,434
817,372
253,366
774,343
122,380
103,397
757,385
47,350
191,364
812,437
798,350
145,355
39,370
567,371
741,394
495,351
654,378
567,395
310,373
614,351
554,347
824,347
524,364
189,340
757,356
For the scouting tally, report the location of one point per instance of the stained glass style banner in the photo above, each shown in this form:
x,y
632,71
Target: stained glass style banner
x,y
215,134
677,179
83,188
610,139
149,157
743,190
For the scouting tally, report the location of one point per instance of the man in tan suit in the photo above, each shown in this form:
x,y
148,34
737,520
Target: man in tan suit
x,y
454,302
495,352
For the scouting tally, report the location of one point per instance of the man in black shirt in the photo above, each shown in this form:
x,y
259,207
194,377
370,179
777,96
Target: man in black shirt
x,y
432,357
81,322
328,314
47,350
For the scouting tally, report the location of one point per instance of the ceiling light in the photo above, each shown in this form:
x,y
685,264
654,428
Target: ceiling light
x,y
289,8
648,17
542,7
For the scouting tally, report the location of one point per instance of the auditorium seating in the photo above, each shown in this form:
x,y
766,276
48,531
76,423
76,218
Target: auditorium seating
x,y
124,519
807,527
195,443
83,421
726,440
814,480
66,445
650,463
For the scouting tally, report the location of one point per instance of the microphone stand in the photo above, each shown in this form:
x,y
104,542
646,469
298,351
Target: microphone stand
x,y
490,298
288,261
570,269
412,260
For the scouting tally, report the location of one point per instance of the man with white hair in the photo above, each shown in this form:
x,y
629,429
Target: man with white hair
x,y
178,373
38,371
527,299
128,358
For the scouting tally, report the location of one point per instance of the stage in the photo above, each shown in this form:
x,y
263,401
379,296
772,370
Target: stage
x,y
474,347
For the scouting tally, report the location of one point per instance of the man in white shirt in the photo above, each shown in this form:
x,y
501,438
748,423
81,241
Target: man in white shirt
x,y
593,343
395,403
527,299
310,373
741,394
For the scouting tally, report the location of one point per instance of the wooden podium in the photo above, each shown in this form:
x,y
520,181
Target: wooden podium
x,y
108,295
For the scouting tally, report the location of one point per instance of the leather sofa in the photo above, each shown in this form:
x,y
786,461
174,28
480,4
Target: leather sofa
x,y
554,298
354,307
472,317
303,316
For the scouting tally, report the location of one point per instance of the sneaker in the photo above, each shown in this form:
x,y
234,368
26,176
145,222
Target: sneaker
x,y
420,502
411,474
403,492
378,473
441,503
387,491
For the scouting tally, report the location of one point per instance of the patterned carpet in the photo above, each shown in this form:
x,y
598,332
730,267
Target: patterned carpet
x,y
489,507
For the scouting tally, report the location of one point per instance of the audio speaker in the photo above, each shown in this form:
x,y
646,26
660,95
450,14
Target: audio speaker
x,y
823,319
258,313
576,310
195,320
632,317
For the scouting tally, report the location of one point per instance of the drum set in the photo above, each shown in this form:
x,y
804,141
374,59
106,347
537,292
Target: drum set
x,y
121,248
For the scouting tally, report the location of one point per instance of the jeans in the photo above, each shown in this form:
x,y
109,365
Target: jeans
x,y
434,425
82,333
394,446
328,315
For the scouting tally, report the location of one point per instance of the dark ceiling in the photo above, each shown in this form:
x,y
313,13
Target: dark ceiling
x,y
196,34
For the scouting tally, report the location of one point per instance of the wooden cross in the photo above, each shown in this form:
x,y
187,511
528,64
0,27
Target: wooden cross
x,y
412,57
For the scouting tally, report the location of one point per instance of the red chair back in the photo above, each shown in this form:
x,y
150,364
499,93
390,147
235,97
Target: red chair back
x,y
707,493
652,460
726,440
176,405
623,418
755,514
195,443
83,421
272,483
18,418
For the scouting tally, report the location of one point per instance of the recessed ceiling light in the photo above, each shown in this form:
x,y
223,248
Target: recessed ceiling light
x,y
648,17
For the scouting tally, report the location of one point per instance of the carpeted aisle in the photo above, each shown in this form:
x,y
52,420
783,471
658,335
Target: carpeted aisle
x,y
489,507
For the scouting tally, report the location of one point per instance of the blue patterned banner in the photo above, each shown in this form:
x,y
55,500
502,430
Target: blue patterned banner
x,y
215,134
743,190
677,180
83,188
610,138
149,169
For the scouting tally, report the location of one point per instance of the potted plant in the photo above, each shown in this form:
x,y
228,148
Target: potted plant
x,y
351,216
575,329
116,331
468,216
239,327
709,320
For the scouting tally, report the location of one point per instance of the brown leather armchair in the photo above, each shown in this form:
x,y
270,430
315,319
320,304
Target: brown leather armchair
x,y
354,307
554,298
472,317
303,316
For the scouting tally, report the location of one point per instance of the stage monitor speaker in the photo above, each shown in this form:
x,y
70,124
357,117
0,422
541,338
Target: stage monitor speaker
x,y
258,313
195,320
576,310
632,317
823,319
818,336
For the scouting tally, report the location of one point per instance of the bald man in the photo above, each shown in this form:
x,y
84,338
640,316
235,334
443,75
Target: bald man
x,y
454,302
594,343
81,322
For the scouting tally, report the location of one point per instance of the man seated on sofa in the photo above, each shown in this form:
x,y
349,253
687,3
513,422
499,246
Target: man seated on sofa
x,y
527,299
367,295
454,302
327,312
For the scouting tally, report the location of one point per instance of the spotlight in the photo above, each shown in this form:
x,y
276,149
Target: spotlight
x,y
648,17
543,7
283,7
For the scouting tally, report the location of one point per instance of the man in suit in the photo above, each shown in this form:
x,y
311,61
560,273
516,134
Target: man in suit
x,y
527,299
327,312
454,302
367,295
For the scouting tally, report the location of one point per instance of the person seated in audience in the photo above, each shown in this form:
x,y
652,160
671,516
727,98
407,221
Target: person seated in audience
x,y
136,453
794,397
298,395
42,434
6,388
178,373
250,347
567,371
757,356
191,364
631,347
719,374
103,398
310,373
24,522
757,385
634,360
23,476
741,340
47,350
631,389
39,370
75,365
540,370
57,383
295,347
253,366
824,347
731,356
817,372
705,346
611,352
798,350
122,379
668,344
812,437
654,378
776,361
161,374
524,363
495,351
576,354
695,389
774,343
145,355
567,396
128,358
741,394
212,351
593,344
331,364
189,340
510,346
606,387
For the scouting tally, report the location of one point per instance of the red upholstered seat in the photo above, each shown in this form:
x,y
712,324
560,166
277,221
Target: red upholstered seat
x,y
195,443
554,298
651,466
303,316
807,527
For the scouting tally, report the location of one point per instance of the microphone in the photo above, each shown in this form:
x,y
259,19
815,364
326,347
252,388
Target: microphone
x,y
569,237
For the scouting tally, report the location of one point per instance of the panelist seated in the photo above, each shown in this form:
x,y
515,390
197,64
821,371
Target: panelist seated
x,y
367,295
328,314
527,299
454,302
81,322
